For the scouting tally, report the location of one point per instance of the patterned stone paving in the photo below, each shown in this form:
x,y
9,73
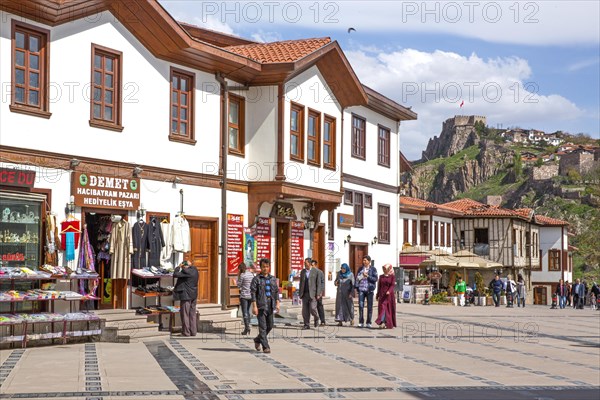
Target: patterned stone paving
x,y
435,352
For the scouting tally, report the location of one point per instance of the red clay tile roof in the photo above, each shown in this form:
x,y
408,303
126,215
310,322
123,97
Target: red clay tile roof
x,y
279,52
543,220
414,202
411,201
524,212
475,208
464,204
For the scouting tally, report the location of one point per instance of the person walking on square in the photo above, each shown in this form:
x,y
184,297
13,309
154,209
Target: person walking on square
x,y
265,302
387,298
243,282
562,291
320,309
366,280
521,291
344,300
186,291
310,286
496,285
578,294
511,288
460,288
569,293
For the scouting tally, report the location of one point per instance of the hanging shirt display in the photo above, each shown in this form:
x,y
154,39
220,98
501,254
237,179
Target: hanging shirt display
x,y
181,235
167,250
140,245
156,243
121,248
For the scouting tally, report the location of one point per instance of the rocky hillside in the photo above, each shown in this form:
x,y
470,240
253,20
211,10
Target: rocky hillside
x,y
471,160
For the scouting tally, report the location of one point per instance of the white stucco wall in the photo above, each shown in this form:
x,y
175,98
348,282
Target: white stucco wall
x,y
310,90
145,104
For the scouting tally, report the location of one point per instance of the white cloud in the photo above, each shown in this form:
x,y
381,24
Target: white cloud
x,y
214,24
523,22
266,37
436,83
583,64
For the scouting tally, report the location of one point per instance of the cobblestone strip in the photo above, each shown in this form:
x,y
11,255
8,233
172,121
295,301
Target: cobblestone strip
x,y
392,379
180,374
496,362
426,363
9,364
91,370
290,371
546,358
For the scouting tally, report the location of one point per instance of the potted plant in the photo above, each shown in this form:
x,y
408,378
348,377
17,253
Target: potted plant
x,y
481,288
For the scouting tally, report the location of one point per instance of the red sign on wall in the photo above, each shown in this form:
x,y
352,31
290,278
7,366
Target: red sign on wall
x,y
235,242
15,177
263,238
297,245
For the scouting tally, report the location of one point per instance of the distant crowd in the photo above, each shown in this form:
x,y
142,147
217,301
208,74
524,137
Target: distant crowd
x,y
576,295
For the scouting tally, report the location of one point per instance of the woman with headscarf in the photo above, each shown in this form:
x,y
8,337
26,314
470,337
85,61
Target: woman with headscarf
x,y
344,302
386,298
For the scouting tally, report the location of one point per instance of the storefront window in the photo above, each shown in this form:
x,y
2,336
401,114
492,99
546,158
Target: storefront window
x,y
20,230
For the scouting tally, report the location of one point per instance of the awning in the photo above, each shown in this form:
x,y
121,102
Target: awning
x,y
467,256
411,261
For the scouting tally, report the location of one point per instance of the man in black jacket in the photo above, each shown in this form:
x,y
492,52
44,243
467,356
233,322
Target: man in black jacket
x,y
265,301
186,291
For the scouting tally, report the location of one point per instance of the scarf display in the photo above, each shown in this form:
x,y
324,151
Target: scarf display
x,y
70,245
86,262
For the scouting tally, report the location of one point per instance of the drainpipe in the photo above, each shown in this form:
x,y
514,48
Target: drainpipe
x,y
223,173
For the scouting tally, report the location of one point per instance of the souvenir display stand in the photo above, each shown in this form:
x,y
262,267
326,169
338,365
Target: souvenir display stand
x,y
24,321
156,291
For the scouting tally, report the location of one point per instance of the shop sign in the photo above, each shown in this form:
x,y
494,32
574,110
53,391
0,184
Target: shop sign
x,y
105,191
435,275
262,236
297,245
345,220
235,242
15,177
283,210
13,257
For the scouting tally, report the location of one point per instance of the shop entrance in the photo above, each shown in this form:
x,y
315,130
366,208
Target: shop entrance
x,y
357,252
318,246
203,256
112,292
283,251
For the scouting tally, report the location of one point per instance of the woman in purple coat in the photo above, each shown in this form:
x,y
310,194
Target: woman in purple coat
x,y
387,299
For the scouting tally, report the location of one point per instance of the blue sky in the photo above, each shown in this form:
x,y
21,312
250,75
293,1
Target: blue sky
x,y
520,63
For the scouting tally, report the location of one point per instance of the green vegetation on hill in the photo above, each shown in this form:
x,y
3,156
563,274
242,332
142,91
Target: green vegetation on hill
x,y
495,186
453,163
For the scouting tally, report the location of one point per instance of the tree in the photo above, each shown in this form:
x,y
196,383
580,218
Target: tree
x,y
539,162
518,165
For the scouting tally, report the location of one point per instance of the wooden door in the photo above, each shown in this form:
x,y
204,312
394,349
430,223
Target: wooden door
x,y
283,251
357,252
540,295
202,257
318,252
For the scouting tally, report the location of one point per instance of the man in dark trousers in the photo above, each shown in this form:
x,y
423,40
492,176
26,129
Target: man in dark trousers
x,y
265,301
320,309
186,291
496,285
366,282
310,287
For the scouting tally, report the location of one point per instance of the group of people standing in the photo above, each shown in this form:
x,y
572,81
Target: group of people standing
x,y
368,286
576,294
515,291
259,295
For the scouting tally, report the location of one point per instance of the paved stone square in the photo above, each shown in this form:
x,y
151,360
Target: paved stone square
x,y
440,352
